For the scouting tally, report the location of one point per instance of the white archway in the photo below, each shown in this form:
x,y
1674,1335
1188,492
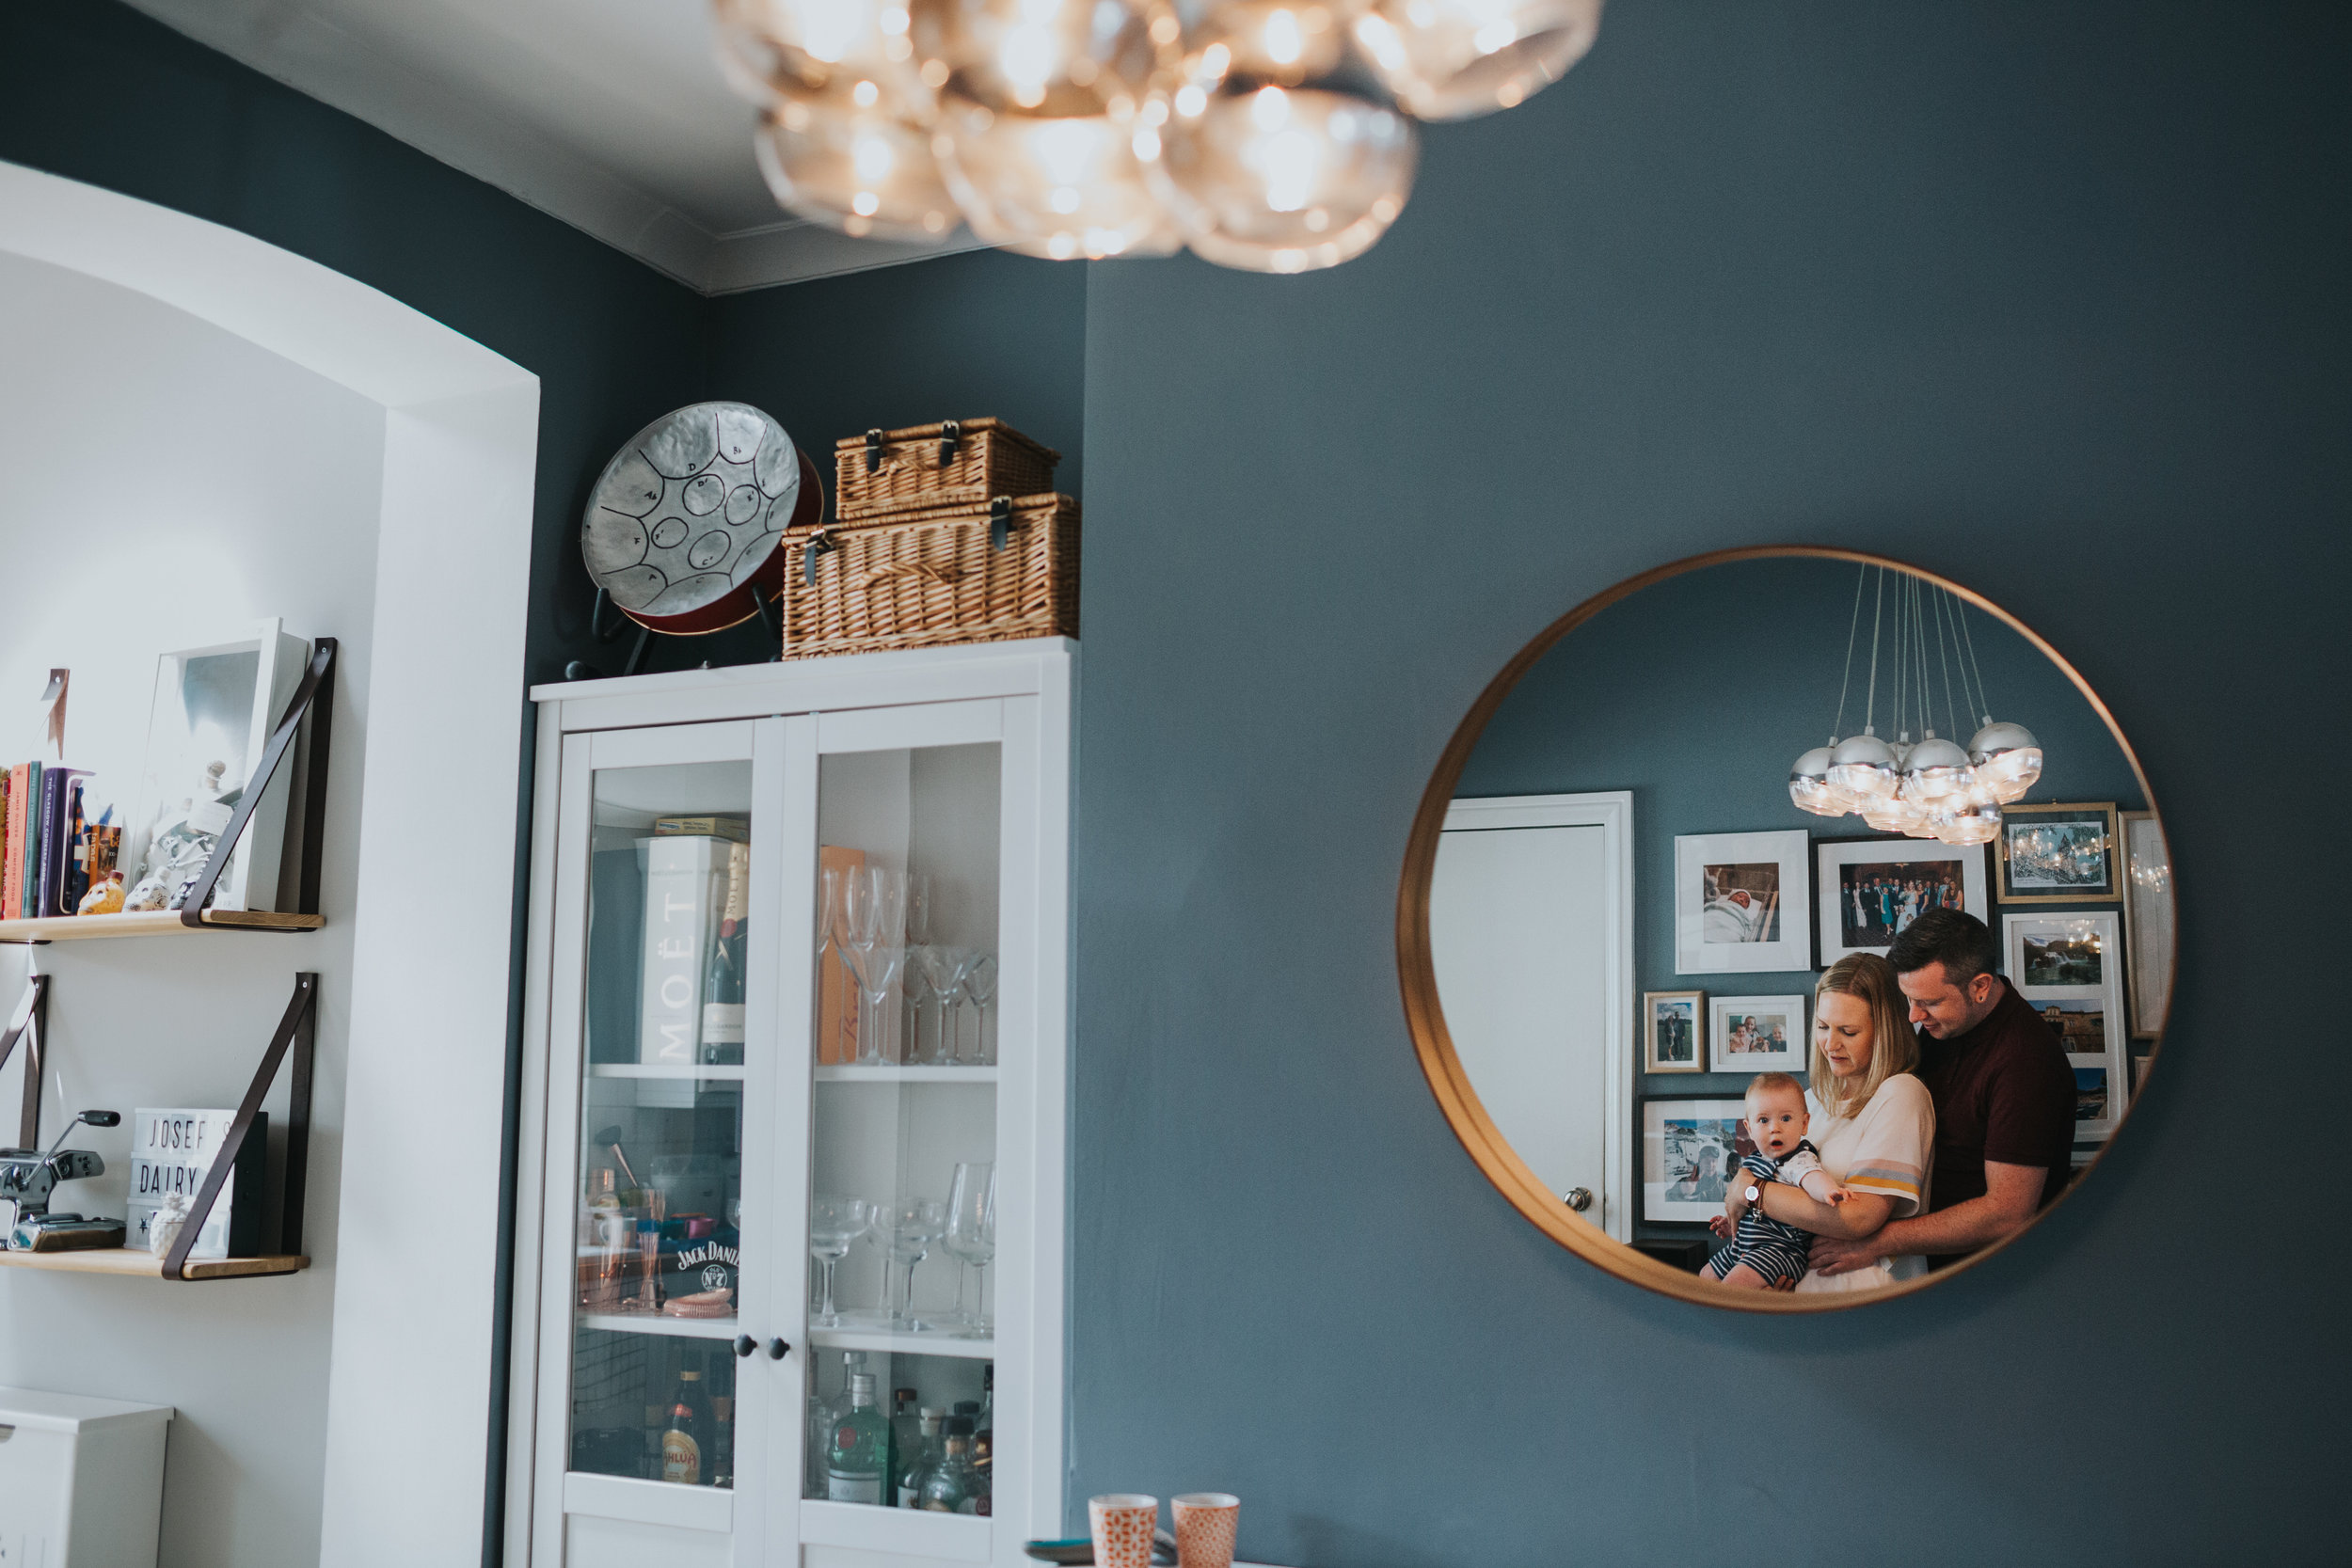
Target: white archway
x,y
407,1401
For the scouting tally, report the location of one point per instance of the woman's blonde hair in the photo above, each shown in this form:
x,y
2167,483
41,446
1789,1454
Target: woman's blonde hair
x,y
1894,1045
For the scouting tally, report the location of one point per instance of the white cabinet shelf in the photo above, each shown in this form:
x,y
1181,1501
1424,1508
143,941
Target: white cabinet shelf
x,y
889,1343
887,1074
665,1072
655,1322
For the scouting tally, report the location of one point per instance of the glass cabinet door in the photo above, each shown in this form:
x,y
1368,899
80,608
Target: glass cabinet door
x,y
663,861
904,1051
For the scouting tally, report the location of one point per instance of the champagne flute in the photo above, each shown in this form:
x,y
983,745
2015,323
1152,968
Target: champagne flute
x,y
943,973
979,983
829,936
907,1230
918,938
972,1238
833,1225
874,901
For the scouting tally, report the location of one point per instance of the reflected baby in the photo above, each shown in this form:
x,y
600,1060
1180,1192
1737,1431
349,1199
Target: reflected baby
x,y
1762,1253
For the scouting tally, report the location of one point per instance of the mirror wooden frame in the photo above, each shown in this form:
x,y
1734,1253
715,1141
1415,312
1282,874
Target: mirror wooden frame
x,y
1449,1082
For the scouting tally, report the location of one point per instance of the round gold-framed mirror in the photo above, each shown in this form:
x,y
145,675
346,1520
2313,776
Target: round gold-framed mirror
x,y
1648,965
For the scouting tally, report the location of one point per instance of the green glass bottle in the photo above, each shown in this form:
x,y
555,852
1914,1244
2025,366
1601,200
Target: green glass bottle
x,y
858,1454
953,1486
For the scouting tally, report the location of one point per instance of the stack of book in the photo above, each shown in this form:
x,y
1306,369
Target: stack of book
x,y
50,853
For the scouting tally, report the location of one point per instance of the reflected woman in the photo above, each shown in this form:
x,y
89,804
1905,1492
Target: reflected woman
x,y
1873,1122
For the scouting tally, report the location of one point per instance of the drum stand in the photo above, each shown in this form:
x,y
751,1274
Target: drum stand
x,y
579,671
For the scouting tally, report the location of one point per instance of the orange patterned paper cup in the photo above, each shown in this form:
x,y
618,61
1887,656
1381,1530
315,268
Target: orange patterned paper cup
x,y
1123,1522
1205,1525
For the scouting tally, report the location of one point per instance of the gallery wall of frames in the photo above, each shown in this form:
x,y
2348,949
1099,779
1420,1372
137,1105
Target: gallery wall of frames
x,y
1685,695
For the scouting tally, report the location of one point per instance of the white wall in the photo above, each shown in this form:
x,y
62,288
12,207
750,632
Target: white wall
x,y
166,484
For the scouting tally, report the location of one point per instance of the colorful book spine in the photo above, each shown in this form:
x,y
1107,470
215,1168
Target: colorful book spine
x,y
24,815
8,793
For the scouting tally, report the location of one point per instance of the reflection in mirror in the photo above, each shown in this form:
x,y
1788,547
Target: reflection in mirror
x,y
1798,1034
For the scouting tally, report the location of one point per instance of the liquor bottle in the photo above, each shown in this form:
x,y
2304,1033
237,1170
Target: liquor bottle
x,y
953,1486
682,1443
722,1441
859,1449
984,1424
822,1415
906,1440
723,977
927,1453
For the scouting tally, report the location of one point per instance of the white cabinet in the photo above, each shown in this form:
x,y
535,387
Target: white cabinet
x,y
716,1076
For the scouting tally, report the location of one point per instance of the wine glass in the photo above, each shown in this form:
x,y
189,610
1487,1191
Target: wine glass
x,y
874,907
979,984
829,923
972,1237
942,975
907,1230
919,934
833,1225
915,991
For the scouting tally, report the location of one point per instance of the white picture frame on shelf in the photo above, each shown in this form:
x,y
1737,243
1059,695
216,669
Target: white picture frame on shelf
x,y
1757,1033
219,703
2069,967
1740,901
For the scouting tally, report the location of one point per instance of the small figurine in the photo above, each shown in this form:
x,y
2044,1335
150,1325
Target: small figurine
x,y
105,898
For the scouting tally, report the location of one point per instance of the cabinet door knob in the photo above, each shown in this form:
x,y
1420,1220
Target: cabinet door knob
x,y
1580,1198
777,1350
745,1344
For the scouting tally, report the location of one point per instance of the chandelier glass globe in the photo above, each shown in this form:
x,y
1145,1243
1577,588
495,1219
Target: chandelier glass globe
x,y
841,159
1456,59
1935,769
768,47
1053,187
1961,821
1888,814
1863,767
1058,59
1810,790
2007,759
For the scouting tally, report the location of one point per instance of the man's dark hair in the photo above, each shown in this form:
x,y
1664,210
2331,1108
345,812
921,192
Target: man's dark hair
x,y
1954,938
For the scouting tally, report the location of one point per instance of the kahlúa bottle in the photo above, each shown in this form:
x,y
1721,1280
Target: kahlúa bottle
x,y
682,1444
859,1450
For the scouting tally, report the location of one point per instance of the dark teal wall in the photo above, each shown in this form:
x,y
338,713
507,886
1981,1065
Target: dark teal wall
x,y
2044,297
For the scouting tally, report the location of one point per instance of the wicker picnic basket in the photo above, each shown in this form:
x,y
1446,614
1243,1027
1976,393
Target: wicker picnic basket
x,y
955,463
926,576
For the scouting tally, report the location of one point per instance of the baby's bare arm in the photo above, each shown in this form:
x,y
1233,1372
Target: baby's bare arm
x,y
1821,1187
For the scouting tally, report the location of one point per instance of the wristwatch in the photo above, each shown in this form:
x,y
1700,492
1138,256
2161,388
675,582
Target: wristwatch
x,y
1755,1194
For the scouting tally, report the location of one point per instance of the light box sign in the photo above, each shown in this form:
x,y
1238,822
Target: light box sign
x,y
172,1152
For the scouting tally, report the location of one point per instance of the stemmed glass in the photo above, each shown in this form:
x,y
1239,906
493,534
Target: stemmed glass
x,y
972,1238
829,925
919,939
907,1230
943,972
874,909
979,984
833,1225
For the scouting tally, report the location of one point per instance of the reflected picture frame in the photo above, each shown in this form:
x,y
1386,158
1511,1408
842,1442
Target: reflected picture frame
x,y
1832,895
1671,1127
1673,1031
2045,965
1727,1016
2022,882
2148,923
1739,901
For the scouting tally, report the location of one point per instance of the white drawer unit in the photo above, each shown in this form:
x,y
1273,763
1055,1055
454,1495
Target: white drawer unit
x,y
789,1149
80,1480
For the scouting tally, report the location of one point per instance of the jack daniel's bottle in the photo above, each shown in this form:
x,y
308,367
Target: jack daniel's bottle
x,y
723,977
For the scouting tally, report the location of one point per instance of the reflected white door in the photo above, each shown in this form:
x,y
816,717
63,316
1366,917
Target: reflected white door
x,y
1526,928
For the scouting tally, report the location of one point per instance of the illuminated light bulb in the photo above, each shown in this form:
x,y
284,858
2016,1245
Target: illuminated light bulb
x,y
1809,787
1060,188
860,170
1057,59
1284,180
769,50
1285,42
1455,59
1935,769
1964,821
1863,767
2007,759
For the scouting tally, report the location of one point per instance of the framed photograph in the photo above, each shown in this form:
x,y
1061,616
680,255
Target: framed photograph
x,y
210,722
2146,923
1757,1033
1738,903
1871,889
1687,1148
2059,855
2070,968
1670,1030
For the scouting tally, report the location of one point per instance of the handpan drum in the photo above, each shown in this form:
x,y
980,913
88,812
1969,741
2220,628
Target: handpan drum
x,y
687,523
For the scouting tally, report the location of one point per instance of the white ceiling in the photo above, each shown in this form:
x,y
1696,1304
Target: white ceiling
x,y
608,114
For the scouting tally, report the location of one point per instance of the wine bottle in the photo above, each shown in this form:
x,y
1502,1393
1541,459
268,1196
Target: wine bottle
x,y
723,976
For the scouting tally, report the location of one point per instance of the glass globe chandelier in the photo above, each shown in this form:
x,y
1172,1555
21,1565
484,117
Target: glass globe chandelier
x,y
1927,789
1270,136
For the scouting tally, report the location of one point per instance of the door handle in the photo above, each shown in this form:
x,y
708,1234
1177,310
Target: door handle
x,y
745,1344
777,1350
1579,1198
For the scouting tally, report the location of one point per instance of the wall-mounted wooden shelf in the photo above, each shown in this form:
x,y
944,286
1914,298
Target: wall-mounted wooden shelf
x,y
149,923
148,1265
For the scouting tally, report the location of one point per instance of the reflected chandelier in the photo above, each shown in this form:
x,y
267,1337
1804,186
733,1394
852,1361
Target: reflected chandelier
x,y
1274,135
1930,788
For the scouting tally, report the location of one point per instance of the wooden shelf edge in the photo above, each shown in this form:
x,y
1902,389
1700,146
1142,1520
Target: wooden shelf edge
x,y
150,922
148,1265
